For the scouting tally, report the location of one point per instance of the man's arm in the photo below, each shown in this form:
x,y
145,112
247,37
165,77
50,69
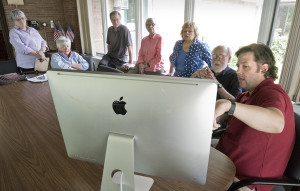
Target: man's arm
x,y
127,66
171,71
224,94
206,73
269,120
130,54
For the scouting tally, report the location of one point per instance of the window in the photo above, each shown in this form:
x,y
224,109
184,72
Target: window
x,y
233,23
169,20
281,30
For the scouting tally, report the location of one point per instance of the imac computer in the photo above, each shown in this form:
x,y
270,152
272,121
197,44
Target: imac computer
x,y
154,125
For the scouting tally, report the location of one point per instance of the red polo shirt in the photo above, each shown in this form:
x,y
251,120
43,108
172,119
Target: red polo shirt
x,y
256,153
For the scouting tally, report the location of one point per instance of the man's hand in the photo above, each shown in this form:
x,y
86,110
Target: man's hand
x,y
222,106
204,73
127,66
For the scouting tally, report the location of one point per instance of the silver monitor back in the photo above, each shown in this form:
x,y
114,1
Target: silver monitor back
x,y
170,118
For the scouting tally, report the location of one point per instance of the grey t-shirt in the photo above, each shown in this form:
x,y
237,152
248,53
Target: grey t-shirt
x,y
119,41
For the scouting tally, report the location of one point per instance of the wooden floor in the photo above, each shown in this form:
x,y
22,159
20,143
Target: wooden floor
x,y
33,155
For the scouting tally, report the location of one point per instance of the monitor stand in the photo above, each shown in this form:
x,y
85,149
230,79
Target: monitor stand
x,y
120,157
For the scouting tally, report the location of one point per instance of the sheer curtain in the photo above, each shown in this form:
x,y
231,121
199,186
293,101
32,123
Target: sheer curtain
x,y
290,75
85,18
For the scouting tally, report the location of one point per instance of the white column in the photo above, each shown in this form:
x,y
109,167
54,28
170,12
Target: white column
x,y
189,10
85,18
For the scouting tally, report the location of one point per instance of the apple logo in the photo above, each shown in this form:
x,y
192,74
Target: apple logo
x,y
119,106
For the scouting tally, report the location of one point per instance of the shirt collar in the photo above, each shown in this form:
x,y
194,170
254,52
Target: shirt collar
x,y
65,54
262,84
18,28
118,28
152,36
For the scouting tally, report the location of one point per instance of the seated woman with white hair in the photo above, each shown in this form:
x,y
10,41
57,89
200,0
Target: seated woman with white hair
x,y
65,58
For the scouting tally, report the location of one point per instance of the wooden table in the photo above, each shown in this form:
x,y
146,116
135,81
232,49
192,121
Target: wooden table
x,y
33,155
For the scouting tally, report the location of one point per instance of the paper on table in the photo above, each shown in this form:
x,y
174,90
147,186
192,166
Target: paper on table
x,y
40,78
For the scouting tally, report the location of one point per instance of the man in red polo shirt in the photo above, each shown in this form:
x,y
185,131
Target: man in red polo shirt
x,y
260,135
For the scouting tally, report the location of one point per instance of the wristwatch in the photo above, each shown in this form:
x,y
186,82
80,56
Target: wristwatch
x,y
232,108
220,85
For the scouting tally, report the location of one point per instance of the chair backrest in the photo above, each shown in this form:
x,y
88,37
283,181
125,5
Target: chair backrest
x,y
293,168
89,59
8,66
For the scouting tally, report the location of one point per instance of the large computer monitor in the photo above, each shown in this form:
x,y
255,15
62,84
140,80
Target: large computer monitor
x,y
155,125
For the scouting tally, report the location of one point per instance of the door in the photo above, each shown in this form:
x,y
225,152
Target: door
x,y
7,58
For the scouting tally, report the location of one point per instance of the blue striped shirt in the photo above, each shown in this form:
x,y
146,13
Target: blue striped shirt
x,y
61,61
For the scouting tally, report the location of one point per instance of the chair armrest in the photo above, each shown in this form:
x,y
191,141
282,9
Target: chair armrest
x,y
264,181
90,61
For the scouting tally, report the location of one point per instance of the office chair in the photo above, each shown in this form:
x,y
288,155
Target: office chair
x,y
8,66
292,171
89,59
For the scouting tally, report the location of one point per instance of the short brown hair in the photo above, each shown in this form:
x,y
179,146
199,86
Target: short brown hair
x,y
150,20
114,13
189,24
262,55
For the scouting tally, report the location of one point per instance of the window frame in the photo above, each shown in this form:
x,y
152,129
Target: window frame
x,y
269,13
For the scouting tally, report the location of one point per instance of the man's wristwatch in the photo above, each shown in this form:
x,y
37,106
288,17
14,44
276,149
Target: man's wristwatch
x,y
232,108
220,85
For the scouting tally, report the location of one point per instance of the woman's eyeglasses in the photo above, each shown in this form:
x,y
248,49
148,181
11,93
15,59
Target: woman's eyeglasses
x,y
149,25
20,19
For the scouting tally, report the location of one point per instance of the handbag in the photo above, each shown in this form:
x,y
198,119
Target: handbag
x,y
41,66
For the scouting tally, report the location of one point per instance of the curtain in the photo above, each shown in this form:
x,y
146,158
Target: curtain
x,y
85,18
290,80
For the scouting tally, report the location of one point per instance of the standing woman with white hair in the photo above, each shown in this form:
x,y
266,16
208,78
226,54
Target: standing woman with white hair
x,y
67,59
28,43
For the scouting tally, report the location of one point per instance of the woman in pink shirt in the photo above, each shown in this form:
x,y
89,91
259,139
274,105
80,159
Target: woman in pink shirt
x,y
150,59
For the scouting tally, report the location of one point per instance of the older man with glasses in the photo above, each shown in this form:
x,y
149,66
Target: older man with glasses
x,y
225,77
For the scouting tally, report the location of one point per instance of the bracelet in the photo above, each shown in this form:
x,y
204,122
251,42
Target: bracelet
x,y
232,108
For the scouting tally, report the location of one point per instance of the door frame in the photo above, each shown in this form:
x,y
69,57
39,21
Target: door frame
x,y
4,25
